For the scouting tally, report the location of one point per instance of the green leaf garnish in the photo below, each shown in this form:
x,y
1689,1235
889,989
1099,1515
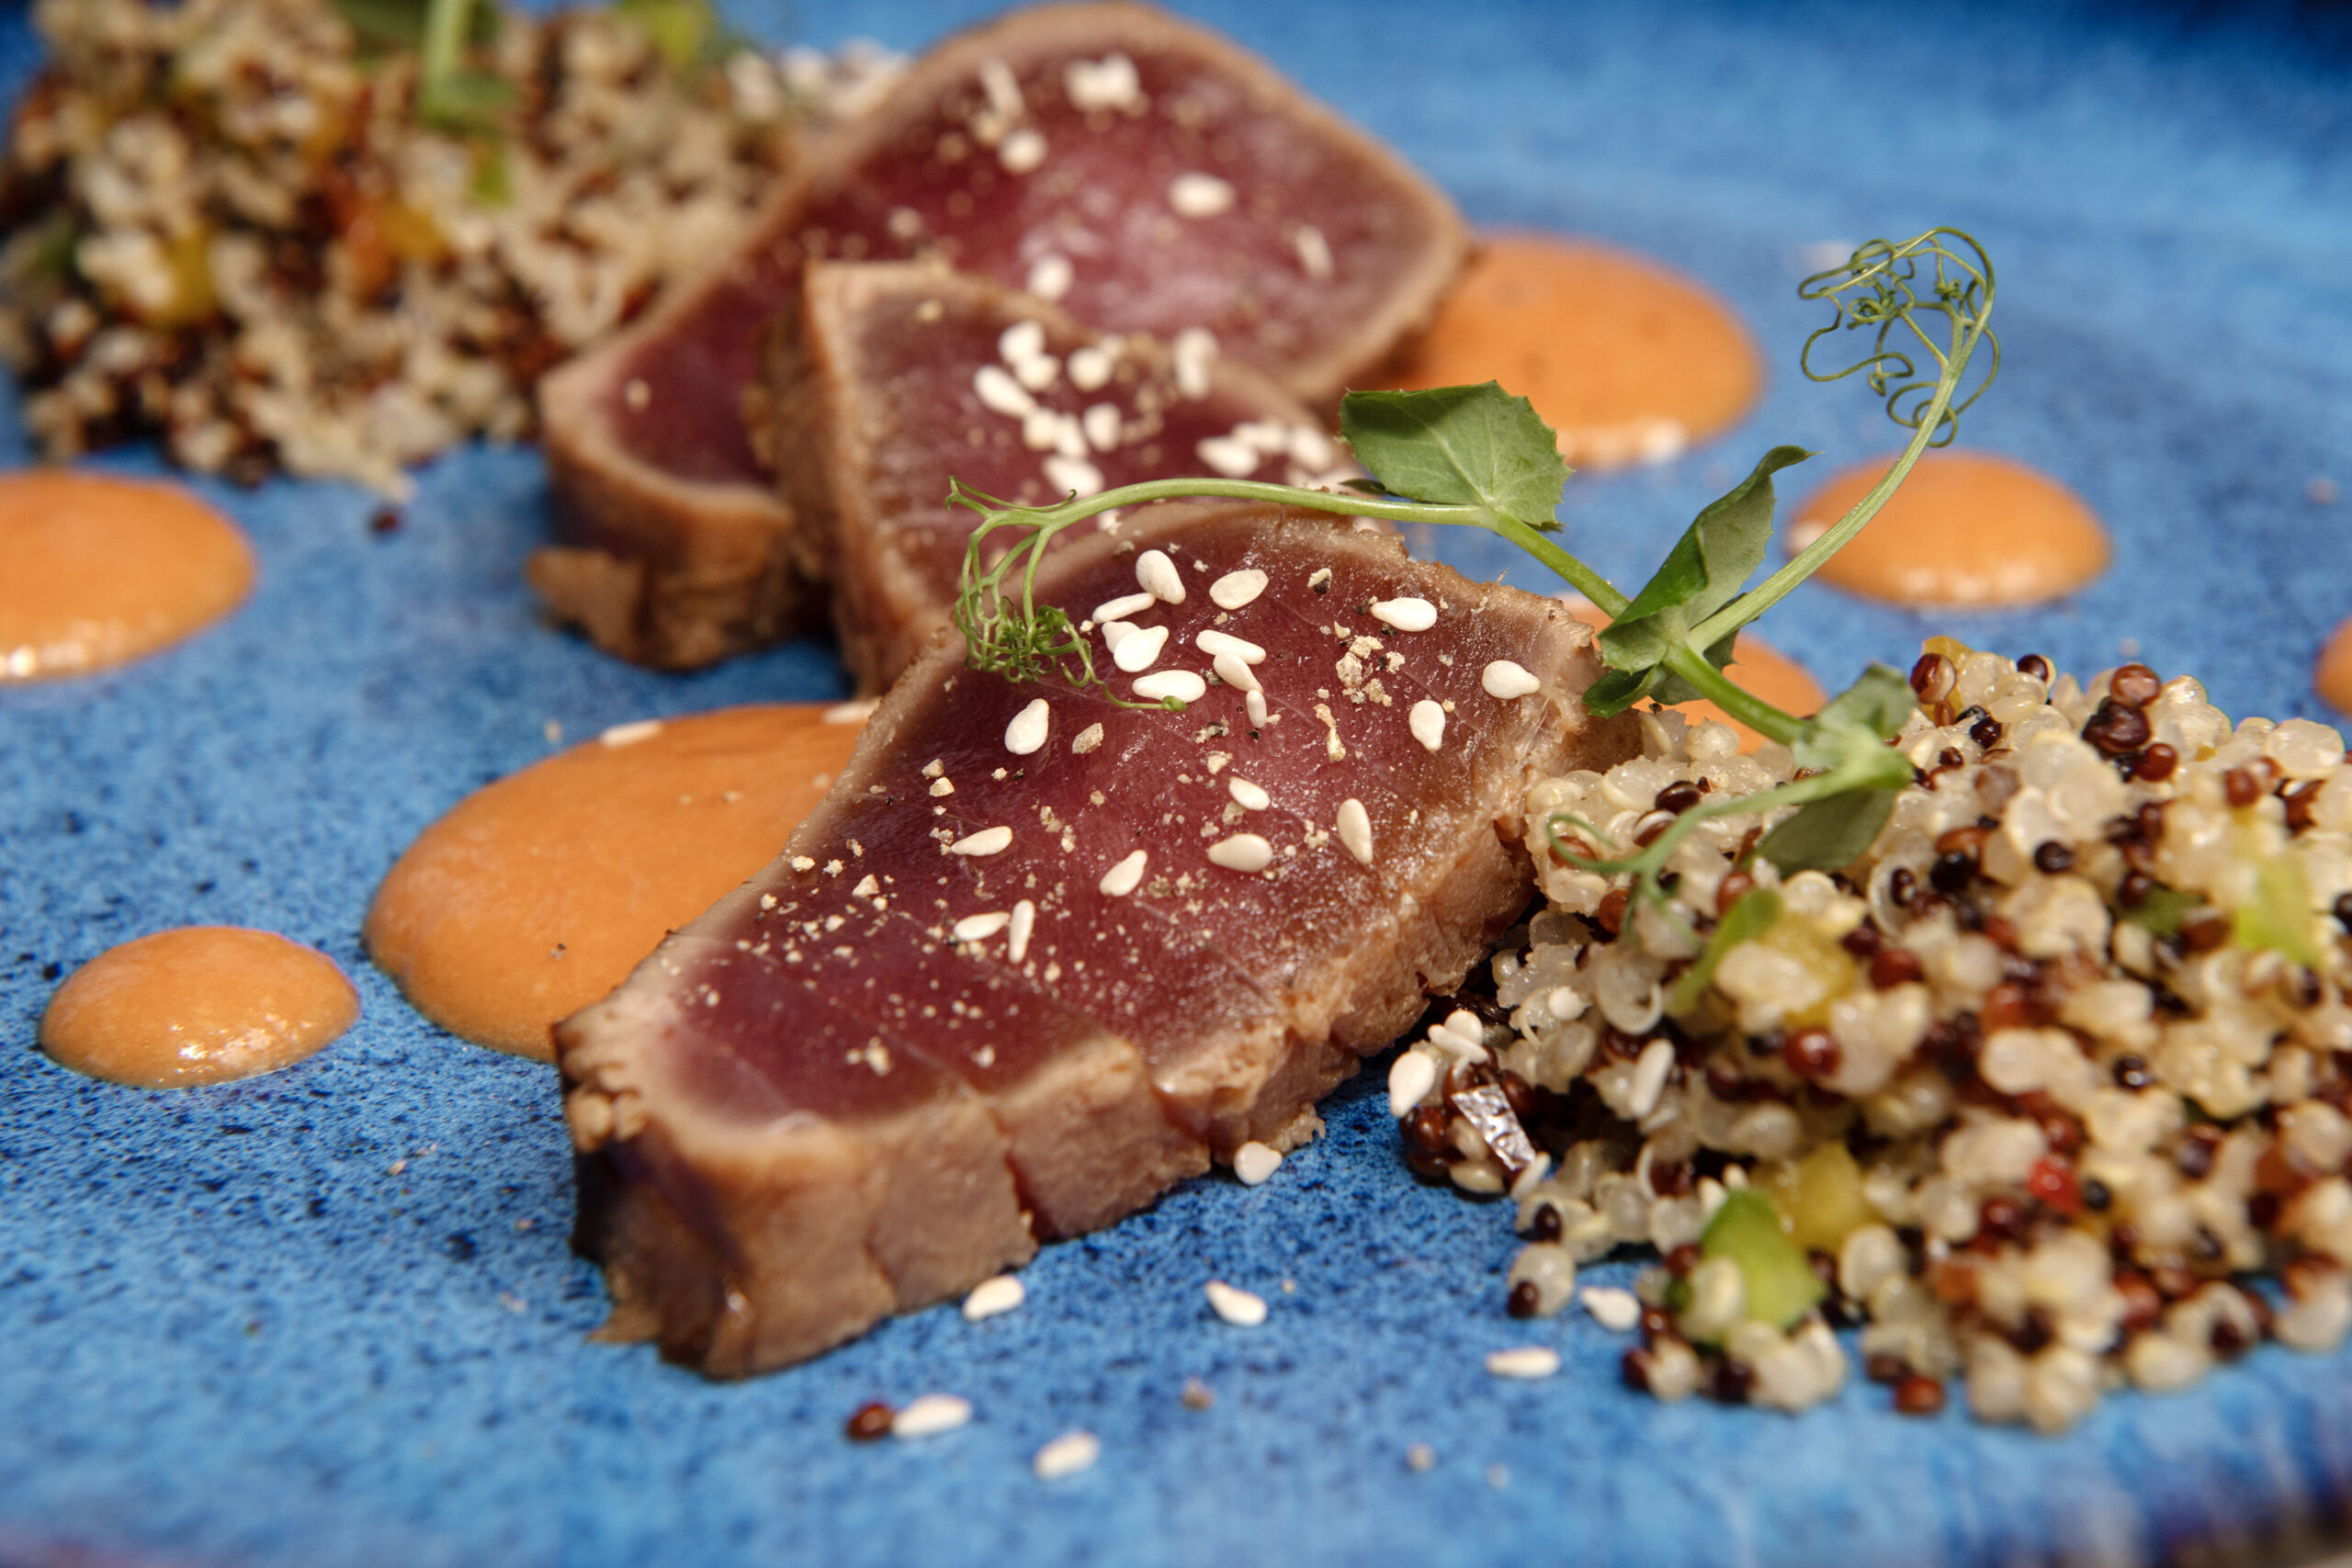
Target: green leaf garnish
x,y
2279,916
1704,571
1460,447
1830,832
1745,920
2162,910
1780,1286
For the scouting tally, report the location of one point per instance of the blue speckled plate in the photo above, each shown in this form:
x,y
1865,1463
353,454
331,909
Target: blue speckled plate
x,y
327,1317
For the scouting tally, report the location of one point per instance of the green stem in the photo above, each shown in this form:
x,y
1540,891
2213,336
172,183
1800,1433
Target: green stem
x,y
444,36
1746,706
1778,586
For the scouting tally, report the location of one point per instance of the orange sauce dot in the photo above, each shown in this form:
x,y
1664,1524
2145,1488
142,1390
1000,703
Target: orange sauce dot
x,y
1966,529
538,894
1628,361
197,1005
2333,678
1756,668
96,571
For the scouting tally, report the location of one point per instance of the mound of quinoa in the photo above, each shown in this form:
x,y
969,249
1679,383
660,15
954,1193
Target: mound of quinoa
x,y
2051,1086
227,227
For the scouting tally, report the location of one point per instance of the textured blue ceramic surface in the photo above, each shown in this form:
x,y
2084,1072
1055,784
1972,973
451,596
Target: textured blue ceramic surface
x,y
327,1317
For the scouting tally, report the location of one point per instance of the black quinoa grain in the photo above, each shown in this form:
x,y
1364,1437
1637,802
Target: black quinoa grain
x,y
1681,1260
1932,677
1894,967
1524,1300
2262,1211
2117,727
1736,884
2300,800
2156,763
2132,1072
2229,1340
1732,1381
1987,732
2033,664
1678,798
384,519
2000,1218
2344,910
1901,881
1953,873
868,1422
2051,857
1885,1366
2242,787
2133,890
1634,1370
1811,1053
1657,1325
2134,683
1544,1226
1862,941
2193,1155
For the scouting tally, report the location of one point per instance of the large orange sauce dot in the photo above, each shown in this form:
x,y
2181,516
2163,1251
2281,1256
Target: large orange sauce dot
x,y
1966,529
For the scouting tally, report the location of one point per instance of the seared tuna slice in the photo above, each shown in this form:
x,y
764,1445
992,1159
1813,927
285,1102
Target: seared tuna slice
x,y
1039,956
902,375
1143,175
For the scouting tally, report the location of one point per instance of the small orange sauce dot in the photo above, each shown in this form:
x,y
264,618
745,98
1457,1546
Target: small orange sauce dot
x,y
538,894
1628,361
2333,678
1966,529
197,1005
96,571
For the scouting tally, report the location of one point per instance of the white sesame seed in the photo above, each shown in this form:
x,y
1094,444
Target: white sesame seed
x,y
1255,702
979,928
1243,851
1050,277
1354,826
1119,609
1088,739
1101,422
1235,671
1236,589
1314,252
1505,680
1615,1310
1003,88
1067,1455
1026,733
1124,878
1249,797
1269,436
631,733
987,841
1039,373
1024,921
1139,649
1233,458
1523,1361
1215,643
1021,340
929,1416
1649,1078
1117,632
1074,475
1194,351
1410,1078
1041,430
1089,368
1406,614
1236,1306
1109,83
1254,1162
1157,576
1161,684
1023,151
1427,723
1195,194
992,1297
999,392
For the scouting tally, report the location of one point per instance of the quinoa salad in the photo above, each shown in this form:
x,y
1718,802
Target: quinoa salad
x,y
2047,1092
230,227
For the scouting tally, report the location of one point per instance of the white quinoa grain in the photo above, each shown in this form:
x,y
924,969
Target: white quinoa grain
x,y
929,1416
1026,733
1238,1307
1427,723
994,1297
1524,1361
1254,1162
1067,1455
1506,681
1243,851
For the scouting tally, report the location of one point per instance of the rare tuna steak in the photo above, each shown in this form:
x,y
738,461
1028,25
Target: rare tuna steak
x,y
1039,956
903,376
1140,172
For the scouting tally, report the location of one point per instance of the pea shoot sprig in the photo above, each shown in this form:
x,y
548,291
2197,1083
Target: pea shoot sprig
x,y
1476,456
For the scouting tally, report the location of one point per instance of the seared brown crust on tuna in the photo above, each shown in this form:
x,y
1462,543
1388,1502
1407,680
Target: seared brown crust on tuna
x,y
932,1031
1190,187
879,402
